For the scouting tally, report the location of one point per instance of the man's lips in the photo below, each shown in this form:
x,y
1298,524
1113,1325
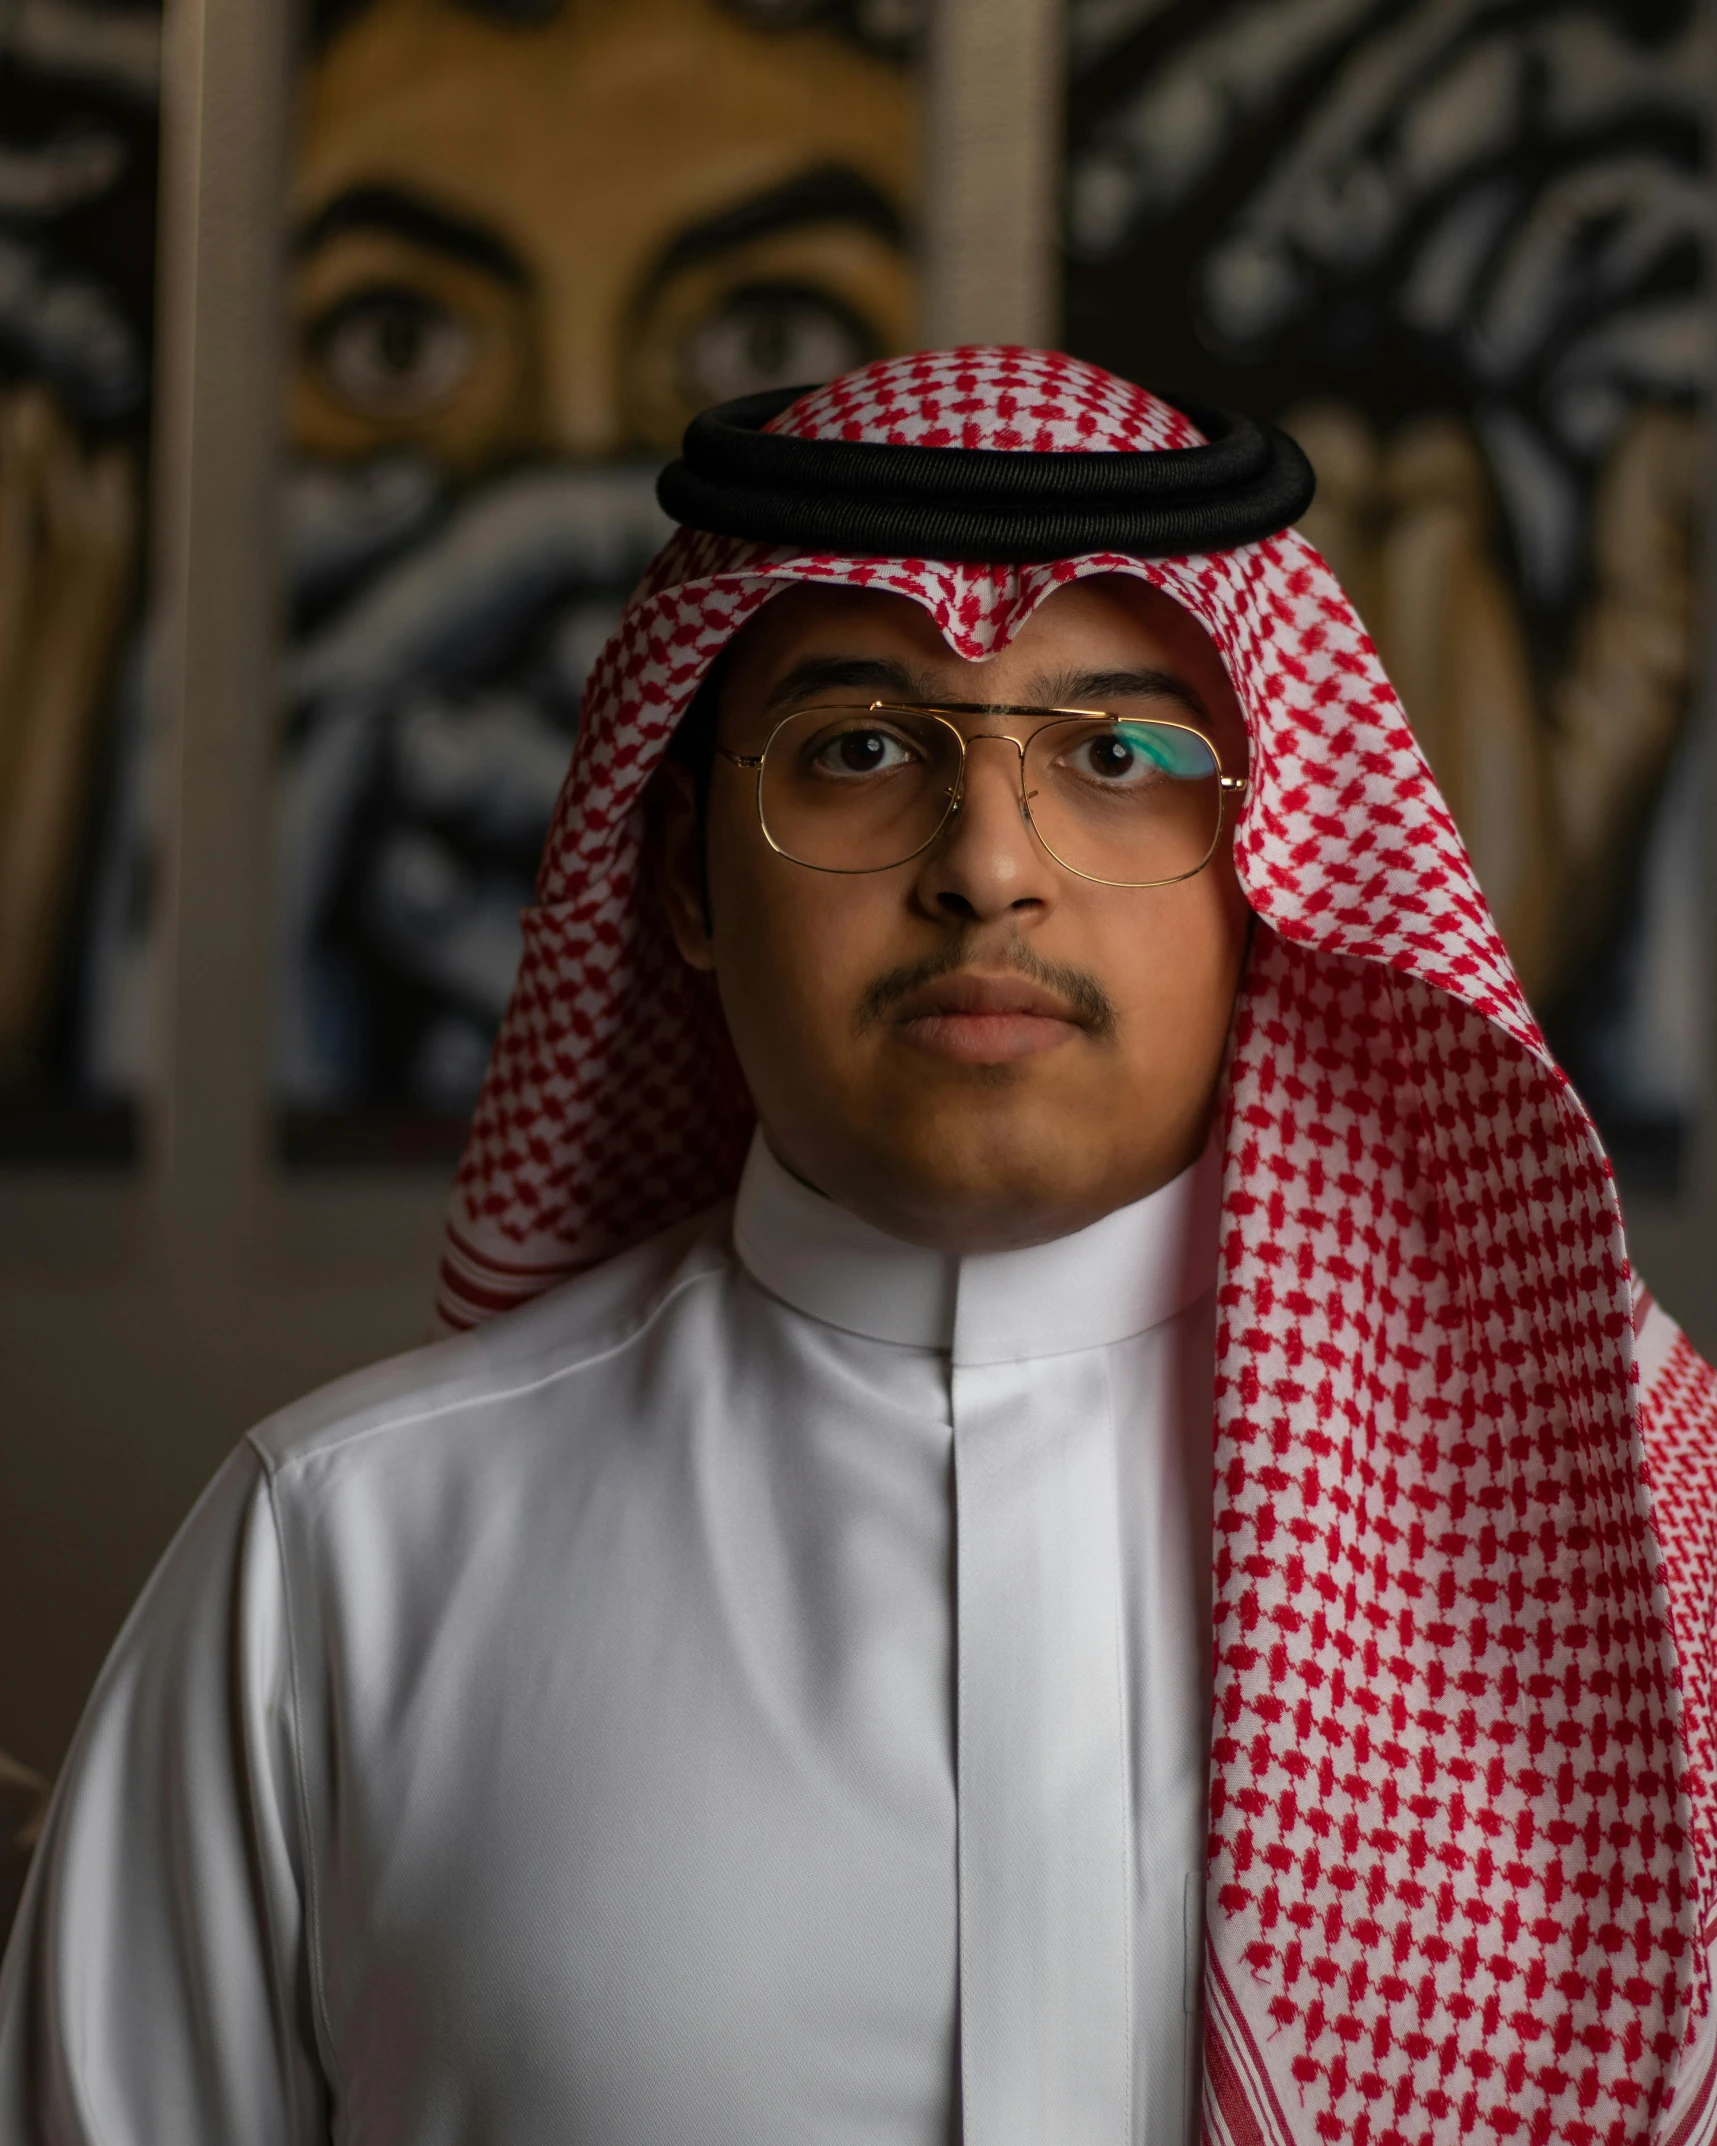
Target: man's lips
x,y
985,1020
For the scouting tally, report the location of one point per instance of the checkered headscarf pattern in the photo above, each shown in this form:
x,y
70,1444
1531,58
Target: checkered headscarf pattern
x,y
1453,1885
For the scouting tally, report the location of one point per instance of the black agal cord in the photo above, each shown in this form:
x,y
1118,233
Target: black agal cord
x,y
981,503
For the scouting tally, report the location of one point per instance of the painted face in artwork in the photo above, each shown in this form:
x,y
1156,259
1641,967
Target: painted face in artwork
x,y
529,242
570,235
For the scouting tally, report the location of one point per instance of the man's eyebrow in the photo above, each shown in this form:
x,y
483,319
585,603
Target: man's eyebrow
x,y
876,677
406,215
1096,689
884,678
826,194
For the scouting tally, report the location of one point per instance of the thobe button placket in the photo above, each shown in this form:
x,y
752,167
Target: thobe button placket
x,y
1080,1428
1045,2005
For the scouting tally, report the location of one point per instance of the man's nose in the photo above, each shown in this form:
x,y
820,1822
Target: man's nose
x,y
987,861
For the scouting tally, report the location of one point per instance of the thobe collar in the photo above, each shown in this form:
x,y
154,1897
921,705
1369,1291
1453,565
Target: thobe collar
x,y
1135,1268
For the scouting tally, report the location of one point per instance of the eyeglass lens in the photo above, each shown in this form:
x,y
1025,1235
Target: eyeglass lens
x,y
1130,800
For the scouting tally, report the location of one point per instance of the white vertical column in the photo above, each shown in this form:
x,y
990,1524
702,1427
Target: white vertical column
x,y
992,156
227,92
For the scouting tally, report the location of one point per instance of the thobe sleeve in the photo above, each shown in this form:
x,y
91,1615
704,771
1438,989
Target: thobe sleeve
x,y
159,1983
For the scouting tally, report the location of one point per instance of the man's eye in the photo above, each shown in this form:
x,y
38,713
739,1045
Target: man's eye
x,y
761,339
863,752
1135,755
1113,758
393,353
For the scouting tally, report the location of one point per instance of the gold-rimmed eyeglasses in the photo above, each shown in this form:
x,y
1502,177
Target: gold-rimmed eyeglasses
x,y
1125,800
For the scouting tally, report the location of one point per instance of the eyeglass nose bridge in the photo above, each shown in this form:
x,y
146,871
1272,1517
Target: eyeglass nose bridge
x,y
996,737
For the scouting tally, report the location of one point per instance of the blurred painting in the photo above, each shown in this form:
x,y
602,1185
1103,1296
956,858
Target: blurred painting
x,y
529,238
79,103
1459,249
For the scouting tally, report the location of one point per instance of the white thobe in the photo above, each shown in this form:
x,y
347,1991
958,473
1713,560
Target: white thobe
x,y
759,1693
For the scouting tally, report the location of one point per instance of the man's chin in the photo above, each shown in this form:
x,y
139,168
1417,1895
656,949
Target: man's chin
x,y
984,1219
953,1186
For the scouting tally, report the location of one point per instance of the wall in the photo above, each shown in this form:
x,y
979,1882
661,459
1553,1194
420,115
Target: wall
x,y
145,1322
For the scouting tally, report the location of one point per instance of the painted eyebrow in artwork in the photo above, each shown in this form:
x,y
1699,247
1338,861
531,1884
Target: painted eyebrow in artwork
x,y
400,214
826,194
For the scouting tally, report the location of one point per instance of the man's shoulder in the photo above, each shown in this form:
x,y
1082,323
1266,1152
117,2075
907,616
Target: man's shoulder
x,y
462,1381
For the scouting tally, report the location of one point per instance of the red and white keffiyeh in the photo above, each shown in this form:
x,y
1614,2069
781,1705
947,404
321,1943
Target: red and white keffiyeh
x,y
1462,1782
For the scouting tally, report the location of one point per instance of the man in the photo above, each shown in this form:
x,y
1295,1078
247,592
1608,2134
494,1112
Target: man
x,y
1117,1585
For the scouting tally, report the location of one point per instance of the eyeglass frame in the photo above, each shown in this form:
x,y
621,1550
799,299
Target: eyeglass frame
x,y
941,712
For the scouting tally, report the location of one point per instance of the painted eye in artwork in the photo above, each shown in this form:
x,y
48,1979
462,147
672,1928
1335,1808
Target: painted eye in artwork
x,y
393,352
767,337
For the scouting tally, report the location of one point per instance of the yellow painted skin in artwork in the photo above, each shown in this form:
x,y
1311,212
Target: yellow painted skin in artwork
x,y
1549,786
68,558
566,237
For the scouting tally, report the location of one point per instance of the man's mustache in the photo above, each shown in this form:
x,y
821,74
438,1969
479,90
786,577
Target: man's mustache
x,y
1090,1005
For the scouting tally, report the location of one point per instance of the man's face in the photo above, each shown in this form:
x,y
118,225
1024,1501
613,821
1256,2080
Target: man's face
x,y
570,236
977,1048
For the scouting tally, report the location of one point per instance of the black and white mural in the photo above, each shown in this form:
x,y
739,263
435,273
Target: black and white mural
x,y
79,105
1459,247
